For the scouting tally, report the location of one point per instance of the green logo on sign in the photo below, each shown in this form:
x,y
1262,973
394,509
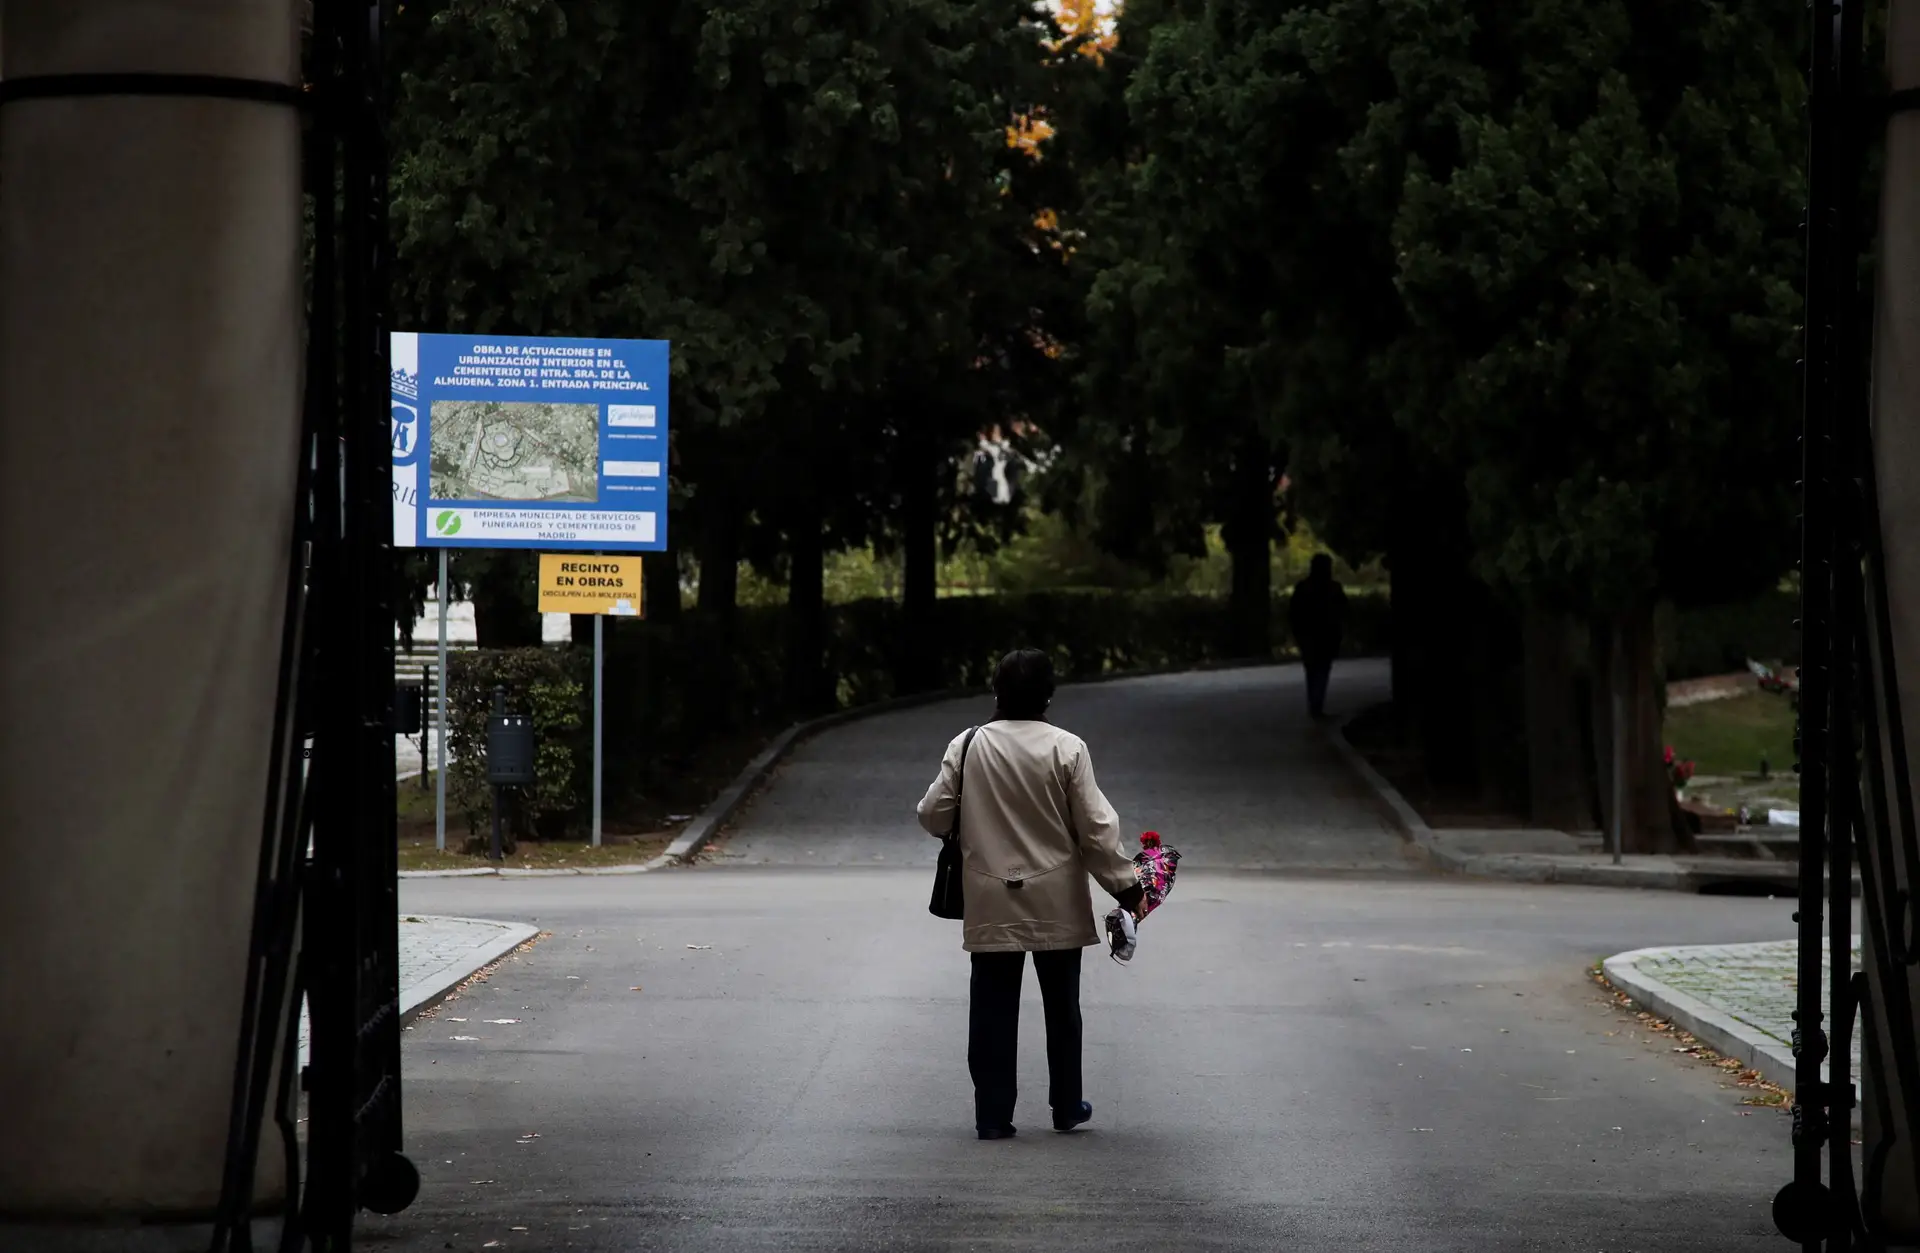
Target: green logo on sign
x,y
448,523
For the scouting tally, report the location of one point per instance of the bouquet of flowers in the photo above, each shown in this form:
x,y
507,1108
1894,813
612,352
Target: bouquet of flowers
x,y
1154,866
1772,680
1678,771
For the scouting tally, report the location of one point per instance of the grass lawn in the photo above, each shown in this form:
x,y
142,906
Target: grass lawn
x,y
1729,737
621,847
418,853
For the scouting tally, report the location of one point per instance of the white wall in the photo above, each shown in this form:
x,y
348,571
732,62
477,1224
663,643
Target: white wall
x,y
150,380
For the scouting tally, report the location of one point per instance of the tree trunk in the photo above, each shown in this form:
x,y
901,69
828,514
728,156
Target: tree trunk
x,y
711,647
720,564
1439,613
506,605
660,579
807,689
1559,788
1404,590
1249,538
917,662
1498,718
1623,655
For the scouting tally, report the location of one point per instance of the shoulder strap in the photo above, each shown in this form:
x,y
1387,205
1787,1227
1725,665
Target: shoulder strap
x,y
960,780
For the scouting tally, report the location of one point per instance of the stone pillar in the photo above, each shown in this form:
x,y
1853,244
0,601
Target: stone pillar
x,y
1894,1206
150,386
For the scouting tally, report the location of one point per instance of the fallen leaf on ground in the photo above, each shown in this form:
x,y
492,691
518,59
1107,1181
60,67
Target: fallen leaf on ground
x,y
633,989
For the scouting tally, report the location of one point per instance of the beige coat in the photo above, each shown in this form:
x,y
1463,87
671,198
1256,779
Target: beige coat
x,y
1033,825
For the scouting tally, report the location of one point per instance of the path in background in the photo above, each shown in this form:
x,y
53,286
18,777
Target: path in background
x,y
1225,764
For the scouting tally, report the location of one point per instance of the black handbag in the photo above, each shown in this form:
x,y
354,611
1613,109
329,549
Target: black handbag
x,y
949,895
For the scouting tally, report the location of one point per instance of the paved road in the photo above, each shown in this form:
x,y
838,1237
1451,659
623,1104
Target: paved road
x,y
1295,1061
1225,765
1283,1067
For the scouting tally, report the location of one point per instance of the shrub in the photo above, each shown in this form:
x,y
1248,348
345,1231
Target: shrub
x,y
1719,639
546,685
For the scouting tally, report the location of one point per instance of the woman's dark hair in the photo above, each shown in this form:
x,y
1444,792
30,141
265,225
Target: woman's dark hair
x,y
1023,684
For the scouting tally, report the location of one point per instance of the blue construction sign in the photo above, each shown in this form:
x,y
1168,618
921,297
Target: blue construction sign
x,y
507,441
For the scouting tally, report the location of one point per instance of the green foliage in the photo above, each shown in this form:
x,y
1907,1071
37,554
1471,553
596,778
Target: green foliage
x,y
814,201
544,684
1600,278
1550,247
1048,554
1720,639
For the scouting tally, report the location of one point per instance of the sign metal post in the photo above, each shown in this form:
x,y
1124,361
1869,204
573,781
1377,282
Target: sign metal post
x,y
599,641
598,585
440,731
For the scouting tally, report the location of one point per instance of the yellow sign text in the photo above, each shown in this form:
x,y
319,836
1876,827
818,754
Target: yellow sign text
x,y
570,583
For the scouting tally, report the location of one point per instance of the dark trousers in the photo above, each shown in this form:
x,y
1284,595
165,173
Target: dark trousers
x,y
993,1037
1319,669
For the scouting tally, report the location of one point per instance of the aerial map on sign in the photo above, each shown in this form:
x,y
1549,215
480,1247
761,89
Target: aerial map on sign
x,y
508,450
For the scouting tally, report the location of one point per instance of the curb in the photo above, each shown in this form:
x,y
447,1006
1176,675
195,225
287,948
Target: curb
x,y
1411,824
1522,868
1723,1034
1708,1024
488,873
419,998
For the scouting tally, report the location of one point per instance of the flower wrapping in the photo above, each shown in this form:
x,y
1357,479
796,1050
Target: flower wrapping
x,y
1154,866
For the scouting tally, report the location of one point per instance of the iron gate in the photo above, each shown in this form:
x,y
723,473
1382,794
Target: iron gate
x,y
1856,794
326,923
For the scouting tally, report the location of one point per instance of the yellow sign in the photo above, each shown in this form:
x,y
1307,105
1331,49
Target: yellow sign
x,y
571,583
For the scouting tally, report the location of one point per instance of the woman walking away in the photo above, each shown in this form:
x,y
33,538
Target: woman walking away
x,y
1033,825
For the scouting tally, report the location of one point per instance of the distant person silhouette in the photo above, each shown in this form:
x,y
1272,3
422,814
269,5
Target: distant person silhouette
x,y
1317,613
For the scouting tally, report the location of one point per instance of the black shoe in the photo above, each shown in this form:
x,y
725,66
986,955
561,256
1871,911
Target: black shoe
x,y
1068,1119
998,1133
